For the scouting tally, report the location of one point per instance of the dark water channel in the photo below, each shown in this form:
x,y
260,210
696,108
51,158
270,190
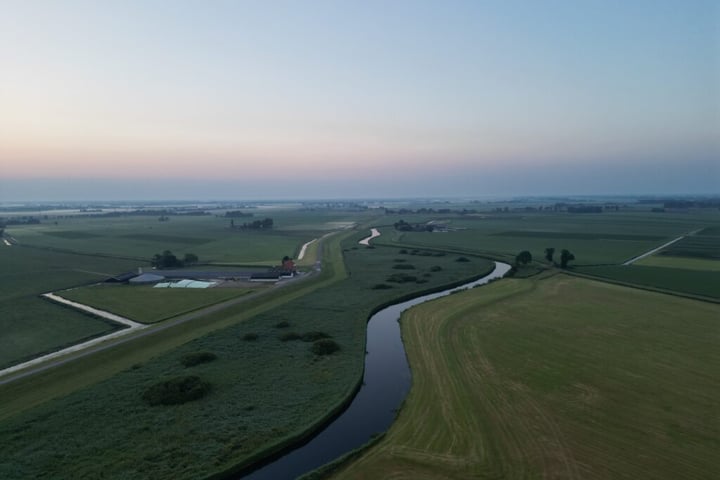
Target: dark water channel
x,y
386,382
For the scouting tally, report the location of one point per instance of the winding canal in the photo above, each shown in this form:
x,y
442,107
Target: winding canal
x,y
386,382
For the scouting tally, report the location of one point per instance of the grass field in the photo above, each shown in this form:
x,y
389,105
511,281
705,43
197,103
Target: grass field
x,y
695,246
206,236
687,263
608,238
264,391
147,304
683,280
31,325
556,378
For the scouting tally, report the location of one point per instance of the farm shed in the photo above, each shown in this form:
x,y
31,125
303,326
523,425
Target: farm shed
x,y
121,278
146,278
185,283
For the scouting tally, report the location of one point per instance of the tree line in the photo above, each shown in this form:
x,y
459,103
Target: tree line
x,y
566,256
166,259
264,224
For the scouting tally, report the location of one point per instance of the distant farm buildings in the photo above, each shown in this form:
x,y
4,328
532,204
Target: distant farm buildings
x,y
183,278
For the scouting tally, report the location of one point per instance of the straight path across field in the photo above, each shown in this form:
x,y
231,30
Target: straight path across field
x,y
655,250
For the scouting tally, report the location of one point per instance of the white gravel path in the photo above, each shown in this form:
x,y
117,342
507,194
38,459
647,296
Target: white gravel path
x,y
133,327
654,250
301,255
373,233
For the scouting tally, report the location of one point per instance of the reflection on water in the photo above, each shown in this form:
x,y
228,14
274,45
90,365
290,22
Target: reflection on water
x,y
386,382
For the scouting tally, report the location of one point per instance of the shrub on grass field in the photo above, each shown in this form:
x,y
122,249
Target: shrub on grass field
x,y
462,259
290,336
403,252
325,347
176,390
250,337
381,286
404,266
282,324
314,336
196,358
401,278
436,268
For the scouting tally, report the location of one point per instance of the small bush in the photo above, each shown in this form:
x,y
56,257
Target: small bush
x,y
427,275
422,280
436,268
403,252
400,260
401,278
403,266
250,337
282,324
462,259
381,286
325,347
290,336
314,336
439,254
196,358
176,391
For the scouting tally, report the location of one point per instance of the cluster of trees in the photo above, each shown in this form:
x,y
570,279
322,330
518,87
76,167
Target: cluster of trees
x,y
237,214
525,257
263,224
168,260
404,226
565,256
25,220
407,211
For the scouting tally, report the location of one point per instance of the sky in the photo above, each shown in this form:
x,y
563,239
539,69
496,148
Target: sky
x,y
224,100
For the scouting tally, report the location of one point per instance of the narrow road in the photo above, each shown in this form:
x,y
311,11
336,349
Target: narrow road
x,y
132,327
655,250
301,255
373,233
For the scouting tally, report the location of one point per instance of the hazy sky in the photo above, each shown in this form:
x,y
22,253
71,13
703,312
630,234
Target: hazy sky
x,y
211,99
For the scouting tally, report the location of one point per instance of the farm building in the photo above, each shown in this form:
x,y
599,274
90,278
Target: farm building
x,y
272,276
146,278
121,278
185,283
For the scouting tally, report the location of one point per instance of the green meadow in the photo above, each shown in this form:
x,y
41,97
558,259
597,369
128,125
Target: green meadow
x,y
594,239
555,378
31,325
146,304
263,386
704,283
261,364
207,236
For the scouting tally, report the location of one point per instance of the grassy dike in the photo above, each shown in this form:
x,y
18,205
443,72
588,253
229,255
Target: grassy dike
x,y
265,392
83,371
559,377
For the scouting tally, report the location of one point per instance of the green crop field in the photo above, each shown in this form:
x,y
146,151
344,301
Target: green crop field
x,y
256,373
690,281
556,378
147,304
207,236
695,246
608,238
680,262
31,325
